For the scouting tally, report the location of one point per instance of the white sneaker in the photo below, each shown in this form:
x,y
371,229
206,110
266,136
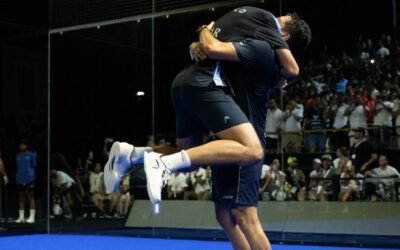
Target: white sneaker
x,y
30,220
118,164
20,220
156,175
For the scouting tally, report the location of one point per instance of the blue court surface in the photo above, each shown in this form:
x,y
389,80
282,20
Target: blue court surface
x,y
85,242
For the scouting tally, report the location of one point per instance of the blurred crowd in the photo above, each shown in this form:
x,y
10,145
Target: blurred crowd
x,y
337,93
344,112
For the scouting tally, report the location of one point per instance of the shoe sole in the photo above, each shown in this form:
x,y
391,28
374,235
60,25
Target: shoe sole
x,y
155,202
111,178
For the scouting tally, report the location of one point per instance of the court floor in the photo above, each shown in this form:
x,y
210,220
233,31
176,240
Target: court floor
x,y
89,242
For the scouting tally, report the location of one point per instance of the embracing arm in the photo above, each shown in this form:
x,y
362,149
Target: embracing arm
x,y
289,67
214,48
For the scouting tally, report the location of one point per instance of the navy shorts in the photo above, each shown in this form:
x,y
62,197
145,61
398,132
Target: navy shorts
x,y
26,187
201,109
234,186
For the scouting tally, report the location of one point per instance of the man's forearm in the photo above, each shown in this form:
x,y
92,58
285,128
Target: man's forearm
x,y
289,67
3,171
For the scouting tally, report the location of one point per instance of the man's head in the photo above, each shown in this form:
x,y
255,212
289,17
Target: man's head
x,y
317,164
295,30
272,104
383,162
359,133
326,161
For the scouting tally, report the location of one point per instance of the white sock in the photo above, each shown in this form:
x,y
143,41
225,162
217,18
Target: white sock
x,y
32,213
21,214
137,154
177,161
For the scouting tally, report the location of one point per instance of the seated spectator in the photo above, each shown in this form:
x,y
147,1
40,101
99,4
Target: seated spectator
x,y
314,187
349,188
296,179
125,199
274,183
384,187
65,189
328,173
200,181
177,186
104,202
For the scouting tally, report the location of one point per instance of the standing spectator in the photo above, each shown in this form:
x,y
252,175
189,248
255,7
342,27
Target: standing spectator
x,y
340,138
315,118
291,139
177,186
297,180
25,179
273,126
3,172
384,187
396,116
383,119
66,189
382,52
357,116
362,152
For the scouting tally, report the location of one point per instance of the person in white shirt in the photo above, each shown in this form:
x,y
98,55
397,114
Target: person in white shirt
x,y
99,197
177,185
383,119
396,116
384,185
200,180
315,177
357,116
341,120
291,138
382,52
273,126
65,189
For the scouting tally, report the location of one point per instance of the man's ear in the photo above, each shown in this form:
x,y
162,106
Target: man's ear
x,y
286,36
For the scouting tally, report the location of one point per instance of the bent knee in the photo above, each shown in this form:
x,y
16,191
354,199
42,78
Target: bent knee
x,y
254,155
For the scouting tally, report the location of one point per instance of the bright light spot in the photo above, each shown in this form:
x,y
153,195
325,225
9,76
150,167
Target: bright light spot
x,y
140,93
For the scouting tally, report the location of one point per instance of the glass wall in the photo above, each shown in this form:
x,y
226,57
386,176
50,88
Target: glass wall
x,y
110,81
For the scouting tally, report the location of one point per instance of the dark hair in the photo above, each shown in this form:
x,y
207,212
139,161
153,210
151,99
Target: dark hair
x,y
299,31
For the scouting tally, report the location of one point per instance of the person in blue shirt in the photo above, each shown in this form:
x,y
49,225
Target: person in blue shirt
x,y
25,180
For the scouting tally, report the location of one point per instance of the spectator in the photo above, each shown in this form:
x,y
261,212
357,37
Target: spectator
x,y
328,173
200,181
382,52
273,126
297,180
315,119
104,202
314,187
383,119
65,189
25,179
384,188
125,199
349,187
3,173
363,153
291,139
177,186
357,116
340,138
